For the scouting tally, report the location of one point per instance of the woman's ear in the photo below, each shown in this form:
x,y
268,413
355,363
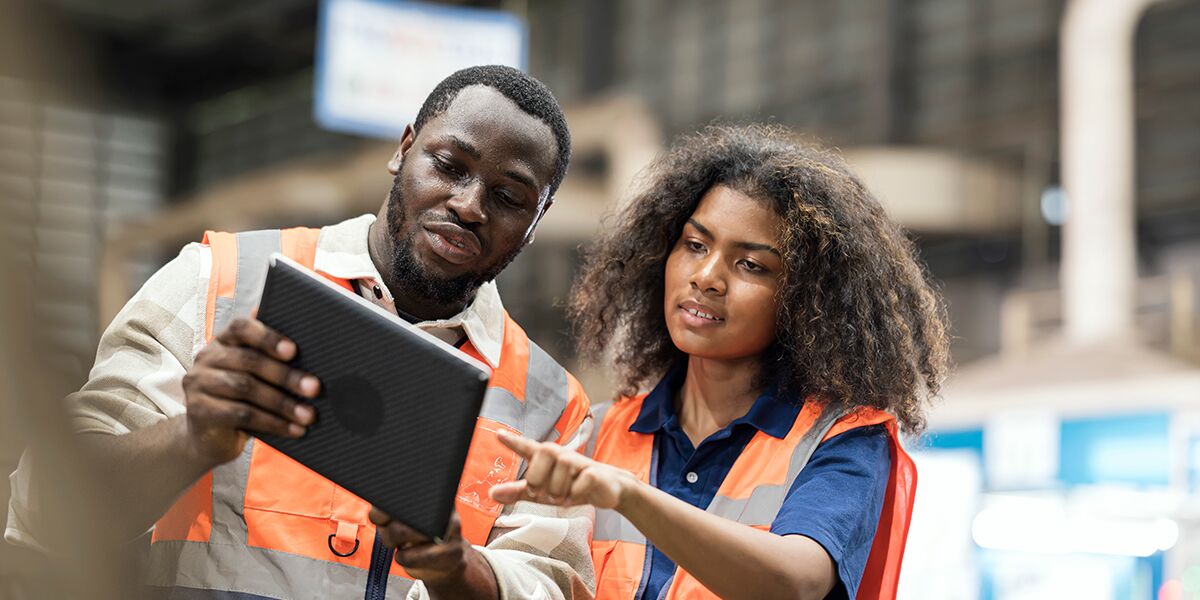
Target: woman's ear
x,y
406,142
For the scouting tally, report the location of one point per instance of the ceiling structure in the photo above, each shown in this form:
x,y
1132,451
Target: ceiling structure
x,y
187,50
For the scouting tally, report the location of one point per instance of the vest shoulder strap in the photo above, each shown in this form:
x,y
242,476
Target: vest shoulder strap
x,y
239,267
599,412
862,417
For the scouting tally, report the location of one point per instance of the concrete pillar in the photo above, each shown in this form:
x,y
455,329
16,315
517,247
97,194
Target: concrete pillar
x,y
1099,252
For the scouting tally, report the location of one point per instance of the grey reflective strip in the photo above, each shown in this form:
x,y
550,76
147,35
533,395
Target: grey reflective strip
x,y
250,570
222,314
229,498
501,406
598,412
612,527
254,250
764,502
546,395
184,593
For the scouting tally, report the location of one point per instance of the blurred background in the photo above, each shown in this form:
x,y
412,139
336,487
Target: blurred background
x,y
1044,155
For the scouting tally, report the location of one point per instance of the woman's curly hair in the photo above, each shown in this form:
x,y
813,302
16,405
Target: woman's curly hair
x,y
859,323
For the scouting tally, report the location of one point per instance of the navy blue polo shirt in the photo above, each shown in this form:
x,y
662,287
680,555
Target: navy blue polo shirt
x,y
836,499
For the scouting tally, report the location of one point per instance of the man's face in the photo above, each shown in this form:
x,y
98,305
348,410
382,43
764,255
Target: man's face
x,y
468,191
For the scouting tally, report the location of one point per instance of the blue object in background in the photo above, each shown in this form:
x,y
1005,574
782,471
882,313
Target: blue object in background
x,y
970,440
1130,449
1193,463
958,439
425,67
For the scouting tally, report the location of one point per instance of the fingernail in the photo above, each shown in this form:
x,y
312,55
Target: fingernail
x,y
308,385
304,413
295,430
285,348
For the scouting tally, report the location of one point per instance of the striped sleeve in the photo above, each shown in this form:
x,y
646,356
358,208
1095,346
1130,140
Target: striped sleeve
x,y
136,380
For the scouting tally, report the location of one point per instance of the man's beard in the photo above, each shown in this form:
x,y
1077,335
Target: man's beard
x,y
412,277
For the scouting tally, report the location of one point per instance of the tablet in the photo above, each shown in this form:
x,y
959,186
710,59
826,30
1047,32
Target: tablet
x,y
397,406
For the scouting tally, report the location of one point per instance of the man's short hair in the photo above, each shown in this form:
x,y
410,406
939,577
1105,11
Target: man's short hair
x,y
528,93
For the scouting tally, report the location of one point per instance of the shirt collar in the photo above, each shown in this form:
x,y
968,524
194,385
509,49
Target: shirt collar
x,y
769,414
342,253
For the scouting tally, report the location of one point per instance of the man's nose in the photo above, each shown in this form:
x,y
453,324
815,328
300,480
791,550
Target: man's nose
x,y
467,203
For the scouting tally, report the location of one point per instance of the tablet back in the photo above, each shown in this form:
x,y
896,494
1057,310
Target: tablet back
x,y
397,407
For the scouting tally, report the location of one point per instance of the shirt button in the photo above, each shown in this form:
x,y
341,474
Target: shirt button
x,y
692,477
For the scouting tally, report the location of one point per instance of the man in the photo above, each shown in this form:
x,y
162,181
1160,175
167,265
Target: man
x,y
184,373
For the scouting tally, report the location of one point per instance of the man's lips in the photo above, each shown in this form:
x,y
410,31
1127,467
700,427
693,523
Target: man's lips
x,y
453,242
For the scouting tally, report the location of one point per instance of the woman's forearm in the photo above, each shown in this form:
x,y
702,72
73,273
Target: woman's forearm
x,y
730,559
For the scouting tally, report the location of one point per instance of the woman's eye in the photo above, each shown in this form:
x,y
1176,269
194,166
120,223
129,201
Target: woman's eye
x,y
753,267
694,246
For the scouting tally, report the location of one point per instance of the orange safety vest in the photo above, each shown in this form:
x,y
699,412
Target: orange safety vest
x,y
265,525
752,493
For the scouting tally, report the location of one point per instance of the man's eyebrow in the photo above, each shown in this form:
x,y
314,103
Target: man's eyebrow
x,y
522,179
465,147
745,245
474,153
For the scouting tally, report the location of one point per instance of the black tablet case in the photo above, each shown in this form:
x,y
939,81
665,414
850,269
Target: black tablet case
x,y
396,412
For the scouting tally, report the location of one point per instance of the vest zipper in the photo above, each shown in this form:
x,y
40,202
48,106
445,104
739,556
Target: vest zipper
x,y
377,575
653,481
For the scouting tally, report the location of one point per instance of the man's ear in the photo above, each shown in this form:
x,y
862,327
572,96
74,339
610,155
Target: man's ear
x,y
533,228
406,142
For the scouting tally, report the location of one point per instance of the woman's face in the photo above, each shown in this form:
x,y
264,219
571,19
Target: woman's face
x,y
721,278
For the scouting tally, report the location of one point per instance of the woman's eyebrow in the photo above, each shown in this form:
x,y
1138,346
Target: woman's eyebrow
x,y
702,229
756,246
744,245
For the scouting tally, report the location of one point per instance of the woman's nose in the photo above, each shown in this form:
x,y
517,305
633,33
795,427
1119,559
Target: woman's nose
x,y
709,277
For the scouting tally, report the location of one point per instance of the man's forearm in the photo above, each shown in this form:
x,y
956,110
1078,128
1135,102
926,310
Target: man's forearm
x,y
477,582
144,471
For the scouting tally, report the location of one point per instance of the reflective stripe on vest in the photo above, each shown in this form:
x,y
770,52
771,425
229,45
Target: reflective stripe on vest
x,y
233,531
752,494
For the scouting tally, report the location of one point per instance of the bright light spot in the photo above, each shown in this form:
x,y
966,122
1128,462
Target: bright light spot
x,y
1042,526
1054,205
1171,590
1166,532
1191,579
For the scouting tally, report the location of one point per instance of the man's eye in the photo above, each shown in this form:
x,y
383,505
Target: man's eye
x,y
508,198
445,167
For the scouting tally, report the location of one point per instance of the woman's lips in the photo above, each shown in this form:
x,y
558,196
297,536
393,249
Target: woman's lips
x,y
698,315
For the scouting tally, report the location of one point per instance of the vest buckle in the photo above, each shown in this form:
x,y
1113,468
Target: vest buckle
x,y
345,532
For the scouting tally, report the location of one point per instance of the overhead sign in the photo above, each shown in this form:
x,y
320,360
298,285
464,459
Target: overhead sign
x,y
377,60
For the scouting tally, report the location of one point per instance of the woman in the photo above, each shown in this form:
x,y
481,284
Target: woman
x,y
786,331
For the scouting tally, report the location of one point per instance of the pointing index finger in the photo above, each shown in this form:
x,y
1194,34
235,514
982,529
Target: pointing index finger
x,y
523,447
